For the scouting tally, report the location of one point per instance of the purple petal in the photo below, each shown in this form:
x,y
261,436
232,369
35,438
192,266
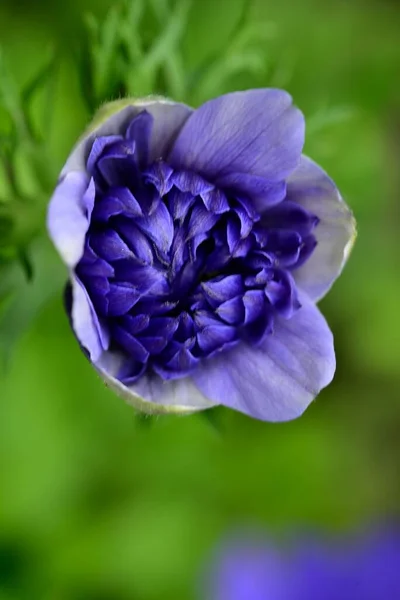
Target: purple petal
x,y
256,331
185,328
162,326
243,248
246,223
155,306
263,276
109,246
289,215
117,166
257,132
179,251
263,193
135,324
158,226
116,124
139,130
180,203
215,337
311,188
137,241
159,174
248,206
233,234
201,221
186,181
254,304
96,267
181,364
92,335
232,311
142,277
98,288
154,345
277,380
98,147
130,344
222,288
285,245
117,201
282,293
215,201
260,260
67,220
121,298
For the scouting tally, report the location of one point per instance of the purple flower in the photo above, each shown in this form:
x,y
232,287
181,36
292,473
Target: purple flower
x,y
197,244
359,568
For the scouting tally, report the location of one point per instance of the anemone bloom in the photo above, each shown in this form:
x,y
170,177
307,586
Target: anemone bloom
x,y
364,567
198,242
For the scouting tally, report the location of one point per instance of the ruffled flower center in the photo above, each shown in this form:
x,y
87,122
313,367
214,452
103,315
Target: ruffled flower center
x,y
178,270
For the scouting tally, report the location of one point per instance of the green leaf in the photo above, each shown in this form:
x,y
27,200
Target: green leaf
x,y
217,24
328,117
10,99
213,416
43,81
22,297
163,52
243,54
143,420
130,31
104,48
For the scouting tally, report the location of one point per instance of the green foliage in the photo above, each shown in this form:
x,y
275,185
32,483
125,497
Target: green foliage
x,y
25,289
139,49
28,176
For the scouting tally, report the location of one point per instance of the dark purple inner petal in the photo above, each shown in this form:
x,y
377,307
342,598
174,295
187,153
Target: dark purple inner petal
x,y
179,269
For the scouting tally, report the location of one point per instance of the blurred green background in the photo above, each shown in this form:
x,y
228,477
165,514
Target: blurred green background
x,y
98,504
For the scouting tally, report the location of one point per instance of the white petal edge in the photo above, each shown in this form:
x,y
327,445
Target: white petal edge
x,y
310,187
152,396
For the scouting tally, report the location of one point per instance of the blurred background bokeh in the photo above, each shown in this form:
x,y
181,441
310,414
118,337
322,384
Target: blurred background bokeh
x,y
98,504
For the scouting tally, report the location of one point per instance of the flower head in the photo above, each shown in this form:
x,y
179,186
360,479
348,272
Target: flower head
x,y
360,568
198,243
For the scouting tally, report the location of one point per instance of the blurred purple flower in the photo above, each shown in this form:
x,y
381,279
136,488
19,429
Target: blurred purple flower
x,y
198,243
360,568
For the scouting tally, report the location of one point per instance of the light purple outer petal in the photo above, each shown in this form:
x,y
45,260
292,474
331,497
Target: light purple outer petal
x,y
151,394
277,380
67,217
256,133
311,187
89,331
